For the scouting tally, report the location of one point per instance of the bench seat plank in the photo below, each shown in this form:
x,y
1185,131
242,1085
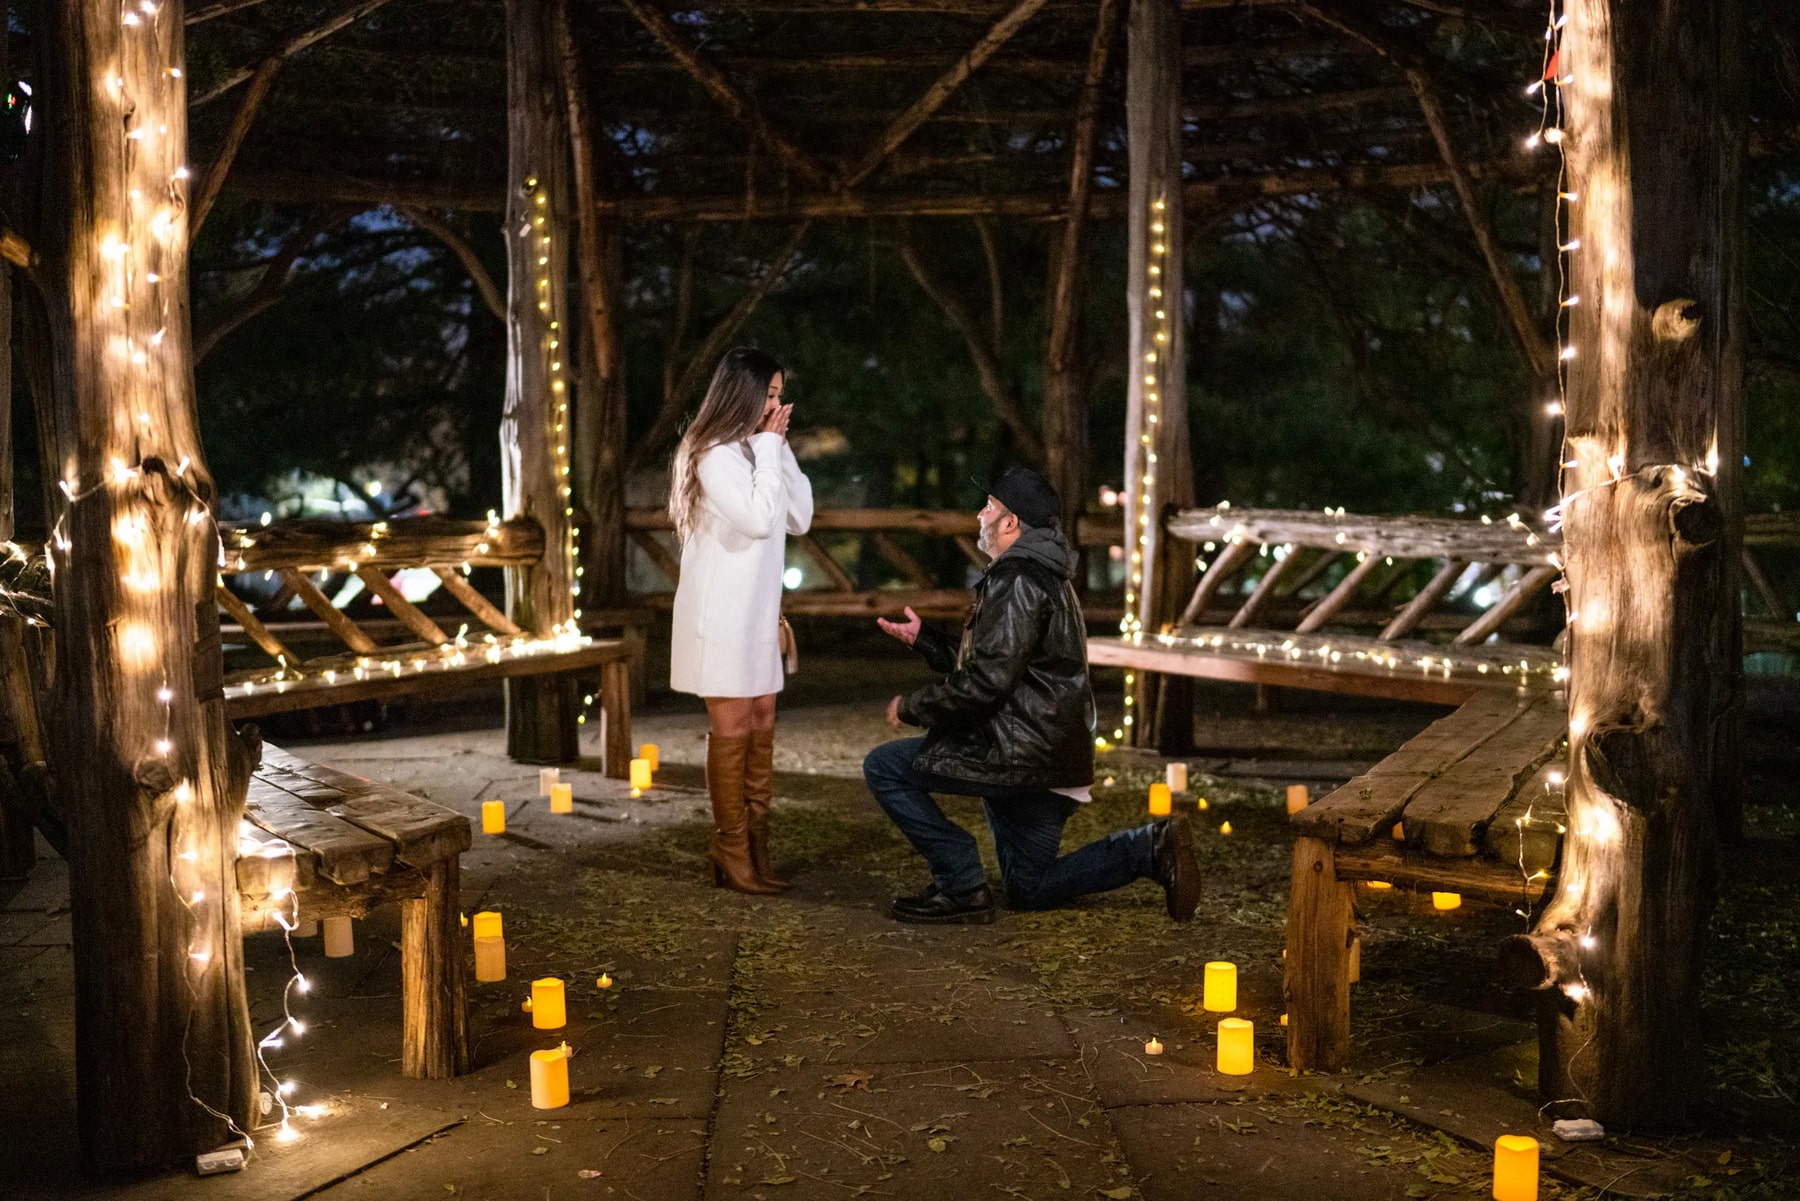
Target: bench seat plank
x,y
1450,815
267,864
422,833
373,677
342,852
1371,803
1527,832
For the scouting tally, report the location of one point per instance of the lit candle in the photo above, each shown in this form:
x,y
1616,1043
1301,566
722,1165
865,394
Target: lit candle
x,y
1446,901
1224,827
1176,774
493,817
1379,885
1220,992
490,959
1153,1047
547,776
562,798
640,774
653,753
488,924
546,1004
1515,1168
1160,800
1298,797
550,1078
1237,1047
1201,805
605,981
340,938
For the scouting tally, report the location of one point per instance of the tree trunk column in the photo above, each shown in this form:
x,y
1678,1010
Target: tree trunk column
x,y
1652,522
1158,470
142,754
535,427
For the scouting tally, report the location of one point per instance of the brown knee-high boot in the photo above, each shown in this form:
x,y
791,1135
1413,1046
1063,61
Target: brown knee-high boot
x,y
759,793
729,848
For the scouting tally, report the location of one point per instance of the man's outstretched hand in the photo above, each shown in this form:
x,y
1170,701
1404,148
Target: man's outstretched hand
x,y
893,713
906,631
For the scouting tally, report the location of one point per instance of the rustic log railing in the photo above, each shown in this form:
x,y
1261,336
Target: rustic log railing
x,y
465,639
939,593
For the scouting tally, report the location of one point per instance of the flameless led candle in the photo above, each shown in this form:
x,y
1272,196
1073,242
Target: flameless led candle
x,y
1201,805
1224,827
1355,960
1220,992
546,1004
1446,901
605,981
1399,831
489,925
493,817
1160,800
1153,1047
1515,1168
490,959
547,776
550,1078
306,927
1237,1047
1284,1019
340,938
653,754
1176,775
1379,885
1298,797
562,798
640,774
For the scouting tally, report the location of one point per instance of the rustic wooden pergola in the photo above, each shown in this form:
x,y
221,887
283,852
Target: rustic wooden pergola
x,y
576,119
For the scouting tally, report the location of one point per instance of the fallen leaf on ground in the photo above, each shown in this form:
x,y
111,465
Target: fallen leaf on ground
x,y
857,1079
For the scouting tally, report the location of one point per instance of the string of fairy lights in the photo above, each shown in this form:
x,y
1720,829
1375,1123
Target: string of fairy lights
x,y
1155,367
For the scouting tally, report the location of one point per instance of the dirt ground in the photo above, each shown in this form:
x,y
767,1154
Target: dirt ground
x,y
808,1047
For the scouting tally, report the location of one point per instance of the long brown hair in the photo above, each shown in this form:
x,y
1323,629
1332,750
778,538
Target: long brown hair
x,y
730,412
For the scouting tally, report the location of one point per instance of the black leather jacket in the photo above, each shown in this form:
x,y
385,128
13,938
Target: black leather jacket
x,y
1014,710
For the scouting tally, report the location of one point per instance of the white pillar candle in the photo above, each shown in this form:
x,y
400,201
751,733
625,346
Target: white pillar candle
x,y
1176,774
548,777
340,938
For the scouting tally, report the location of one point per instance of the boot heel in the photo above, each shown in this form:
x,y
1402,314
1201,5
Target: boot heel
x,y
718,876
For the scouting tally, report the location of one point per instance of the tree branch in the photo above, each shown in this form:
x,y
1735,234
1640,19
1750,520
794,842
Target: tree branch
x,y
267,291
293,44
933,98
662,430
217,8
1081,185
741,108
261,80
465,254
996,290
982,351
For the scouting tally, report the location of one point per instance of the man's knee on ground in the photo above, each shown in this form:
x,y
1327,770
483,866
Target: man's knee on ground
x,y
1027,893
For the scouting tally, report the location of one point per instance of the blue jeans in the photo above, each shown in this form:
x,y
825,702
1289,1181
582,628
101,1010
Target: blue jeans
x,y
1027,835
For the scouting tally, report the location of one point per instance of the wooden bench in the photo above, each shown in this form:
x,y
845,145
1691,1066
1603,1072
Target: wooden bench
x,y
469,641
1339,602
1471,805
319,843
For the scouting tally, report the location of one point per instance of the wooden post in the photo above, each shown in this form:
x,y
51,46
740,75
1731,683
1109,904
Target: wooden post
x,y
1065,384
1654,137
148,774
1316,982
1158,467
600,419
434,1037
534,431
18,841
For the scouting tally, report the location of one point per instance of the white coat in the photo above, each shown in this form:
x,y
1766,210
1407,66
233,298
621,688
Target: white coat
x,y
726,639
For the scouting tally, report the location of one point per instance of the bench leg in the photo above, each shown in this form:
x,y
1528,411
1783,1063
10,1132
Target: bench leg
x,y
436,1029
1317,984
615,703
540,719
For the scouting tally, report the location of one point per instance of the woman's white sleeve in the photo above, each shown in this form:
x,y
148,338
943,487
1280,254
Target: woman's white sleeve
x,y
799,492
750,498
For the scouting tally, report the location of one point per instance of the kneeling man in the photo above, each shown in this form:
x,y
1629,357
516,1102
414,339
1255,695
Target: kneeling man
x,y
1013,724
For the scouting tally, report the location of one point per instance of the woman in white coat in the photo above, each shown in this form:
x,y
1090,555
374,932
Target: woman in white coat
x,y
736,493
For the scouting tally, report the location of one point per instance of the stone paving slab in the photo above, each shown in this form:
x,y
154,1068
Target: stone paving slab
x,y
1111,1047
1029,1129
1231,1152
1480,1098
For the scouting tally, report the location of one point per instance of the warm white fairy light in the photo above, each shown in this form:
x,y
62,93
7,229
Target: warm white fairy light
x,y
1158,332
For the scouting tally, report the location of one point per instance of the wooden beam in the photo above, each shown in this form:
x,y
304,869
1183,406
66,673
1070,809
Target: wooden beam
x,y
895,554
1234,556
1320,614
941,90
377,582
252,626
840,579
465,253
658,554
1427,598
1065,384
1527,586
474,602
398,543
925,521
1403,537
536,473
261,80
735,102
217,8
346,630
340,18
1263,592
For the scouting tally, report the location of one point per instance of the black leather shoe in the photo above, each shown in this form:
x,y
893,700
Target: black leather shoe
x,y
931,891
941,909
1172,865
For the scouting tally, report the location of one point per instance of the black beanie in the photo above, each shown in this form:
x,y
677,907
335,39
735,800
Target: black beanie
x,y
1030,497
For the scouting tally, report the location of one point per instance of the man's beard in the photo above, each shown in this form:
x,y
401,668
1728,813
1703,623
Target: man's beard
x,y
984,540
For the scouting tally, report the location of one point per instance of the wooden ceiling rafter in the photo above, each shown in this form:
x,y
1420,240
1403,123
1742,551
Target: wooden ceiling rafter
x,y
299,39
